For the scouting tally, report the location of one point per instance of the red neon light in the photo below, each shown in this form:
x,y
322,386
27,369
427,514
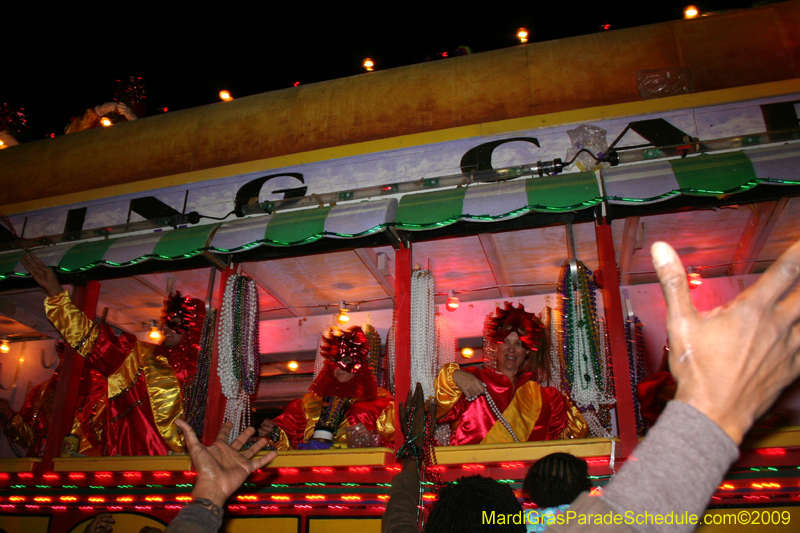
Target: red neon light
x,y
189,473
323,470
113,507
237,507
288,471
68,498
154,499
3,475
428,496
394,468
512,465
302,507
100,475
315,497
125,499
184,498
281,498
772,451
16,498
25,475
162,474
383,497
246,497
143,507
31,506
474,467
352,498
77,475
438,468
86,508
43,499
270,507
50,476
59,508
132,474
359,469
173,507
97,499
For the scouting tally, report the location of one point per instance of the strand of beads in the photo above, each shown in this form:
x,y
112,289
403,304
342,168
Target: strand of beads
x,y
586,373
239,358
445,341
423,360
496,411
196,391
319,361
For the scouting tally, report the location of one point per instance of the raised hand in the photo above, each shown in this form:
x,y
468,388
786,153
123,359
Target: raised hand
x,y
732,362
102,523
43,274
220,468
416,401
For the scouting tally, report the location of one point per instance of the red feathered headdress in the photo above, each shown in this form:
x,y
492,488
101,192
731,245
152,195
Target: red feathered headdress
x,y
515,319
183,313
349,351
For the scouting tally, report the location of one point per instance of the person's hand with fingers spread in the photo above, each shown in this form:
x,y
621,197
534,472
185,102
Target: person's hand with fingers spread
x,y
732,362
221,468
102,523
43,274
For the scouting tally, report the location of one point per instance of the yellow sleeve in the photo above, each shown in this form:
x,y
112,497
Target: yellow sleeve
x,y
19,432
576,427
76,328
385,424
447,392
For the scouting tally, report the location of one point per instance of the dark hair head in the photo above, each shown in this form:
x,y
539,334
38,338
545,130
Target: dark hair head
x,y
557,479
460,508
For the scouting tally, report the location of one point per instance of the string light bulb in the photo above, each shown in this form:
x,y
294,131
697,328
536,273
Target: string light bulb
x,y
225,96
4,345
467,353
694,278
155,332
369,64
106,122
690,12
452,302
293,366
342,317
522,35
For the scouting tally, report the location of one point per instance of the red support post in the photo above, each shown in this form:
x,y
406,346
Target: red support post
x,y
612,301
69,380
402,334
215,401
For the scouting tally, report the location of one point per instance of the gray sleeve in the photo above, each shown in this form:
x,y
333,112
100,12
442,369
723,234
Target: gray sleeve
x,y
675,469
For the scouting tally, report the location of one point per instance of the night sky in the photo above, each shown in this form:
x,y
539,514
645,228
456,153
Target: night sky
x,y
58,61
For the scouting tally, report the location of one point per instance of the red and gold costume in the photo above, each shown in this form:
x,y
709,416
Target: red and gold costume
x,y
28,428
533,412
358,400
144,380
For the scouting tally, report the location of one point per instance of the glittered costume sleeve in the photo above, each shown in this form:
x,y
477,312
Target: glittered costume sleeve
x,y
566,422
447,394
376,415
292,422
76,328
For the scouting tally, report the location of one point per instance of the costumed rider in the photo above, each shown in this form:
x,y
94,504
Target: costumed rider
x,y
145,381
26,430
345,407
507,404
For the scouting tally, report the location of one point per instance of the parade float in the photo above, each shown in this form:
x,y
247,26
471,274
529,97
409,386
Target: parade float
x,y
539,174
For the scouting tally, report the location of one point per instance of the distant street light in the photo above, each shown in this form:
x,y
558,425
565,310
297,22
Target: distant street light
x,y
225,96
690,12
522,35
369,65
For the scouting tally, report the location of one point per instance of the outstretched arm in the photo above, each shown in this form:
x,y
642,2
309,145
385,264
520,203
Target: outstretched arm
x,y
221,468
43,274
731,363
